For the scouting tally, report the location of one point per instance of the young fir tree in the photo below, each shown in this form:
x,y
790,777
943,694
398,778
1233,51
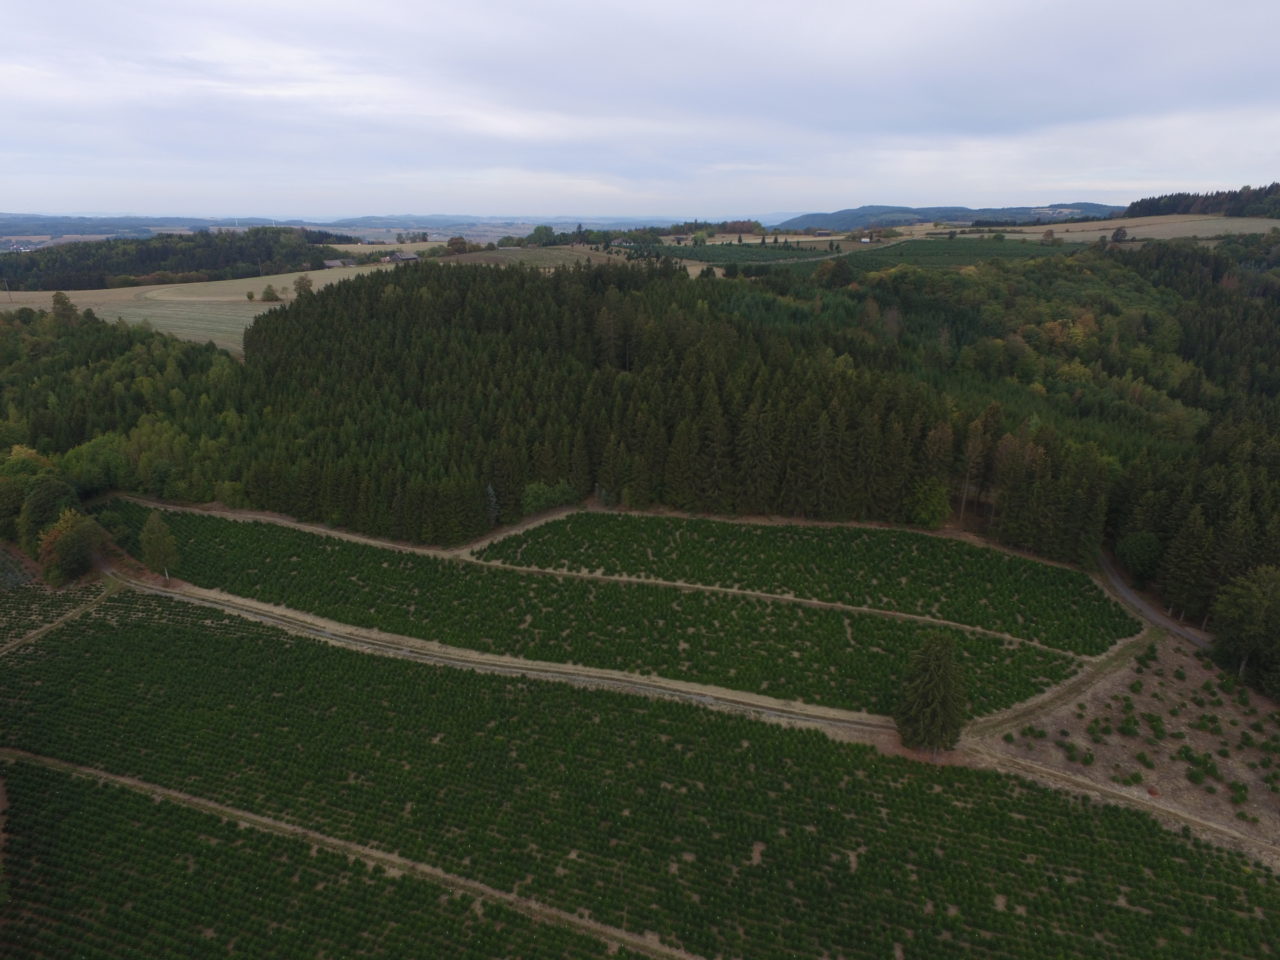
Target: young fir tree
x,y
159,548
931,710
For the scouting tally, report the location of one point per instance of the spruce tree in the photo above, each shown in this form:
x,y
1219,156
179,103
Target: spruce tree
x,y
930,712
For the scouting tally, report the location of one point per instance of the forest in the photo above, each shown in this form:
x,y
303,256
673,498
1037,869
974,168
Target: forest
x,y
1117,397
170,258
1245,202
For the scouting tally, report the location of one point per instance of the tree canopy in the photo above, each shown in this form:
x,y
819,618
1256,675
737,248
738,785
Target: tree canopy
x,y
931,710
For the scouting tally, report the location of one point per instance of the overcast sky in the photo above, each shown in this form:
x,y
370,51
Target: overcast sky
x,y
699,107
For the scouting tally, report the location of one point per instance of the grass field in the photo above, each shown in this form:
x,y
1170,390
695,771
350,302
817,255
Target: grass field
x,y
721,835
216,310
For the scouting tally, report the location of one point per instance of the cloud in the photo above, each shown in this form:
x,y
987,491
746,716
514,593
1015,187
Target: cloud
x,y
271,107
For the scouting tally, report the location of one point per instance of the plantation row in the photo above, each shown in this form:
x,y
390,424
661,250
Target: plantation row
x,y
98,871
885,569
26,604
776,648
726,836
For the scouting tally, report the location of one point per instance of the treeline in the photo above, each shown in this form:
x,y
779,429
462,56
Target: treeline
x,y
545,236
1124,397
170,258
1245,202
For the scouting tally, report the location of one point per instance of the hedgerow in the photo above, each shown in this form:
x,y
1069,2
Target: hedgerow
x,y
884,569
777,648
99,871
723,835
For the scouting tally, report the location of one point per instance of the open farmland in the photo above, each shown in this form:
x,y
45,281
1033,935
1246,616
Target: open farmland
x,y
98,871
1170,227
503,256
216,310
743,253
882,569
782,649
721,835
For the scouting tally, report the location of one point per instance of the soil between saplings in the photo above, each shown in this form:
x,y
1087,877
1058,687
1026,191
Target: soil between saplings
x,y
1200,707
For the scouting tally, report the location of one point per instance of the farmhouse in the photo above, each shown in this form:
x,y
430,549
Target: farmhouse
x,y
332,264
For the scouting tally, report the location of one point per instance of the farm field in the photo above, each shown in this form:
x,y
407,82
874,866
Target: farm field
x,y
961,252
744,252
26,604
884,569
787,650
216,310
1169,227
723,835
503,256
100,871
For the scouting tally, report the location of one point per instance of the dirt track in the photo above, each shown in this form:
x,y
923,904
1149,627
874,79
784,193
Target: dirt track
x,y
847,725
648,944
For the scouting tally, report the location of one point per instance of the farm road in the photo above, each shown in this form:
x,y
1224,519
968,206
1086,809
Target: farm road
x,y
648,945
1148,611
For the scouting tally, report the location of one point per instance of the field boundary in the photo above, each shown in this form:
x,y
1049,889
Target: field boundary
x,y
647,944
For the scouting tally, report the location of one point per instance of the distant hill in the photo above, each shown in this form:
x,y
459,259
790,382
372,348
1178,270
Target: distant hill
x,y
882,216
1245,202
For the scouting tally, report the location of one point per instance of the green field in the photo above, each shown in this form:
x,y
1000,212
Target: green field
x,y
726,836
26,604
884,569
781,649
743,253
960,252
102,872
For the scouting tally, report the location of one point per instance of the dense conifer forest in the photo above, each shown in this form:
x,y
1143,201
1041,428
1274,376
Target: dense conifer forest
x,y
1119,397
170,258
1245,202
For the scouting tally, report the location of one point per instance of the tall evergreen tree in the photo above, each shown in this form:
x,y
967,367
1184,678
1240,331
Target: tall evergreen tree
x,y
931,710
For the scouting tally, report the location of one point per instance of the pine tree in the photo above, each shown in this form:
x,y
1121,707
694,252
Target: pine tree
x,y
1185,572
930,713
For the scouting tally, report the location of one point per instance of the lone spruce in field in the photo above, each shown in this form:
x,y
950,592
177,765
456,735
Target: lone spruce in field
x,y
159,548
931,711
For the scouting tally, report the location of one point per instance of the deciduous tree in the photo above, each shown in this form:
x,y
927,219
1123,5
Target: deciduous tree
x,y
159,548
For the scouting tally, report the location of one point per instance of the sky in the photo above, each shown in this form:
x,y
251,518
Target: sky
x,y
699,108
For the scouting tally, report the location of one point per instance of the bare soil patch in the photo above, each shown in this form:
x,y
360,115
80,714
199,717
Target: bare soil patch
x,y
1167,731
